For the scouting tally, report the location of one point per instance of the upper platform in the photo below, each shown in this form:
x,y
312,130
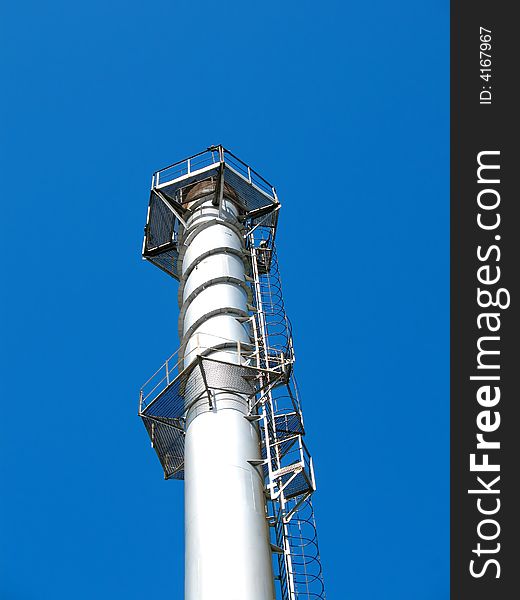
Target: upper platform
x,y
168,210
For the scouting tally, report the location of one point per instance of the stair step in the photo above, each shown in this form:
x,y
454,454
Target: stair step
x,y
288,469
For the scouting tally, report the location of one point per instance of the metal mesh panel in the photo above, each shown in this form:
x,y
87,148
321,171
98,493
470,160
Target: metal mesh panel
x,y
168,441
288,424
167,261
298,486
161,223
251,197
288,428
160,245
232,378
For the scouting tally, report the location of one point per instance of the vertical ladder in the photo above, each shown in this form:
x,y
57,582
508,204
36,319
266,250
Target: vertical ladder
x,y
288,468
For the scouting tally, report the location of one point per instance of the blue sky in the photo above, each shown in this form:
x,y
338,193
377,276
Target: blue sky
x,y
344,107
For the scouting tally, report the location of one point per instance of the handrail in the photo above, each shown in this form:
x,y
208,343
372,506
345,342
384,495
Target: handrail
x,y
169,372
214,154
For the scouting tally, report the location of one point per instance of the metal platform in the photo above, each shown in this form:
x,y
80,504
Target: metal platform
x,y
167,210
163,406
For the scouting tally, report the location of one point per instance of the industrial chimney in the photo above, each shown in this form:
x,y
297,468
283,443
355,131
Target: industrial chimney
x,y
223,413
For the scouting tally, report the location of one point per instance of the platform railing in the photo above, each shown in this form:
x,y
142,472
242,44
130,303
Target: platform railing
x,y
174,364
212,157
